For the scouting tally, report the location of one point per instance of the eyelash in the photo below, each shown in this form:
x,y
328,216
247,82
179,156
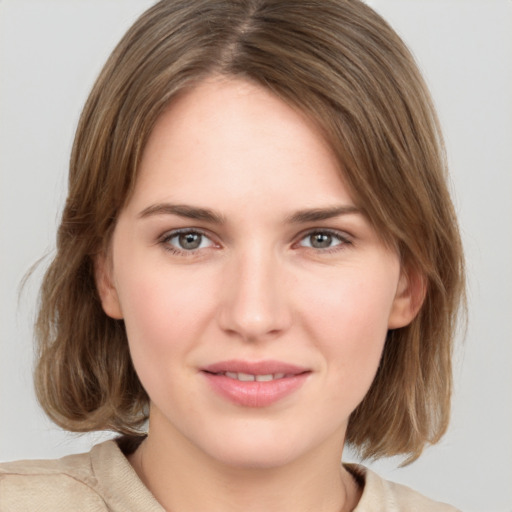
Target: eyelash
x,y
167,237
342,238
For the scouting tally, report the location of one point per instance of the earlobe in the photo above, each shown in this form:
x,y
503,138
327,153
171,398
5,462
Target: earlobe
x,y
410,295
106,288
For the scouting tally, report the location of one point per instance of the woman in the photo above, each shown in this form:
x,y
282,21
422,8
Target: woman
x,y
259,255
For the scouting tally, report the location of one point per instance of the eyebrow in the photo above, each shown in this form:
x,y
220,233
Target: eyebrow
x,y
207,215
318,214
183,210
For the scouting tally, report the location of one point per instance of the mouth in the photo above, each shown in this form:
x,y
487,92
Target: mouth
x,y
254,384
248,377
276,369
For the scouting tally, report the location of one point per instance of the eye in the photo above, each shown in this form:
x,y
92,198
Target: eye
x,y
323,240
186,241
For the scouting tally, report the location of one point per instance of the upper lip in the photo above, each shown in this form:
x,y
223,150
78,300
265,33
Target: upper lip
x,y
254,367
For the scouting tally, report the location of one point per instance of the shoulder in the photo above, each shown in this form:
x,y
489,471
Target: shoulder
x,y
98,481
56,485
381,495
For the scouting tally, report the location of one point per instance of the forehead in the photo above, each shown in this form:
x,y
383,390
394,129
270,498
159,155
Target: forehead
x,y
229,141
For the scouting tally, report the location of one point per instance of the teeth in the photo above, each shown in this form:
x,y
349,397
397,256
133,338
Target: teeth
x,y
247,377
264,378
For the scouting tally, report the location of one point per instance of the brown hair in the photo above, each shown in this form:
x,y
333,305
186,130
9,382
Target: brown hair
x,y
341,64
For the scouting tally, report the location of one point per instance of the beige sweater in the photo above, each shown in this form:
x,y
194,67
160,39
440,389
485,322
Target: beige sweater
x,y
103,480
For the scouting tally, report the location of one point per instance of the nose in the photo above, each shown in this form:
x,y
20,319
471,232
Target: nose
x,y
255,305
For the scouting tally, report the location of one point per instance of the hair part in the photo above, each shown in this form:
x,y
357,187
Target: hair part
x,y
341,64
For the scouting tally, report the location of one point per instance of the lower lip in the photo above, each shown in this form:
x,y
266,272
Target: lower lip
x,y
255,393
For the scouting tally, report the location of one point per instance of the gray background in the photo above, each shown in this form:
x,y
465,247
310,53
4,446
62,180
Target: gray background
x,y
50,54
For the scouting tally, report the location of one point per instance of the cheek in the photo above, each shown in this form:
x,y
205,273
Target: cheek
x,y
349,323
163,315
159,298
351,303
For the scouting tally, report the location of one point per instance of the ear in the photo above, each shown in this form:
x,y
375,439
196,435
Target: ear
x,y
410,294
105,286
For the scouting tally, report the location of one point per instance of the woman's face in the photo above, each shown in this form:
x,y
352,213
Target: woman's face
x,y
256,297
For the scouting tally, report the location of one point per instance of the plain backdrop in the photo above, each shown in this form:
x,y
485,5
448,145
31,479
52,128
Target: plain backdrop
x,y
50,53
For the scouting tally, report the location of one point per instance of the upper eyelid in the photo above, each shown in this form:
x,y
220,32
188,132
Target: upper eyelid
x,y
172,233
343,235
178,231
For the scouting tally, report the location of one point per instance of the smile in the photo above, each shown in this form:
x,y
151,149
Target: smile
x,y
254,384
247,377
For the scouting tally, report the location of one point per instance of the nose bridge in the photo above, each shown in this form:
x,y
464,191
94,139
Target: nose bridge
x,y
255,300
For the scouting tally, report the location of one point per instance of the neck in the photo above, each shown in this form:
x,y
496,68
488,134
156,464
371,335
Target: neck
x,y
183,479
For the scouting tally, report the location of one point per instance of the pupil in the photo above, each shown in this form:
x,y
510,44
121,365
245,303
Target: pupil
x,y
321,240
190,240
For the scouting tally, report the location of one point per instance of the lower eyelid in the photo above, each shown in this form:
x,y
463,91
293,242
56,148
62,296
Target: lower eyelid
x,y
341,238
168,236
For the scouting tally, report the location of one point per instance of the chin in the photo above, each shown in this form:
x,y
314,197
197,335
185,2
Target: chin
x,y
259,450
257,456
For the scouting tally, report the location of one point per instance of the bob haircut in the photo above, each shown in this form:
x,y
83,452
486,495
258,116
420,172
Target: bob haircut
x,y
343,66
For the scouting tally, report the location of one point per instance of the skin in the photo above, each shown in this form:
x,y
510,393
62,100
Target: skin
x,y
257,287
